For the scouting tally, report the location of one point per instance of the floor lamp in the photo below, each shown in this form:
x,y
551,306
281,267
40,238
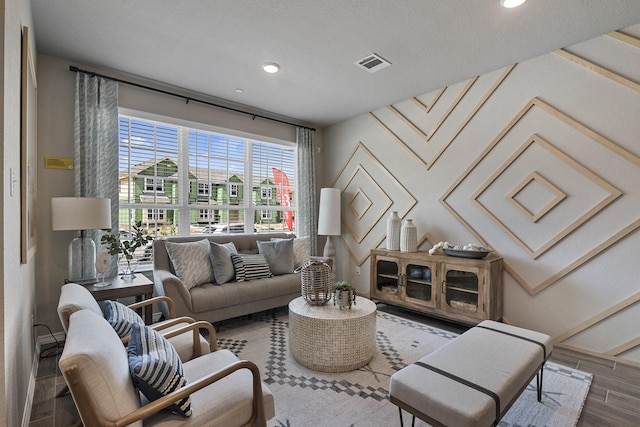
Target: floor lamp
x,y
329,220
81,213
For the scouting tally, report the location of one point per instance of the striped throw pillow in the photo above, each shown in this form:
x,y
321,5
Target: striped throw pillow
x,y
156,368
238,266
253,266
120,317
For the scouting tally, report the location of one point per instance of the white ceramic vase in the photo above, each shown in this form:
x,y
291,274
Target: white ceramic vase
x,y
393,231
408,237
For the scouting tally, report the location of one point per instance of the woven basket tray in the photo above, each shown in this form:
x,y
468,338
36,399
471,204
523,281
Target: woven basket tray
x,y
317,284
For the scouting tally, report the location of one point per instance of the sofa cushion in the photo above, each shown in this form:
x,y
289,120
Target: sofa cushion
x,y
301,250
155,367
279,255
120,317
219,253
191,262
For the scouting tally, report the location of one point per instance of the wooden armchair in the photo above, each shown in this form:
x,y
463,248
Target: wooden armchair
x,y
224,390
74,297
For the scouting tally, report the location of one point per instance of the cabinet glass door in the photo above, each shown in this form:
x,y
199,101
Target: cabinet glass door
x,y
418,284
460,287
387,279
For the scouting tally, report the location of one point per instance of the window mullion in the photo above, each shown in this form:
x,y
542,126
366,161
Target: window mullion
x,y
249,212
184,213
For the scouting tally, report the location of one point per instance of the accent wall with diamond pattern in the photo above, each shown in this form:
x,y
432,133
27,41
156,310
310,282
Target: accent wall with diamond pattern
x,y
539,161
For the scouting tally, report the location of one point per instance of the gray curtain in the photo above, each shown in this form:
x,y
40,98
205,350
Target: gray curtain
x,y
307,221
96,145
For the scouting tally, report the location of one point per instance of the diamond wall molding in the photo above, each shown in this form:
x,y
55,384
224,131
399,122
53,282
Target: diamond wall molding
x,y
532,287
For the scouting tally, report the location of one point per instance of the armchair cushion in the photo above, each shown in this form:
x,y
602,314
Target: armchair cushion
x,y
220,254
120,317
191,262
279,255
155,367
94,353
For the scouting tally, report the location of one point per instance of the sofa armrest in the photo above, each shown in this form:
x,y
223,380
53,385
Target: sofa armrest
x,y
257,416
169,285
326,260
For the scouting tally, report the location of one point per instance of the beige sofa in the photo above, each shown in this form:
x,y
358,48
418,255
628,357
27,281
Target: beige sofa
x,y
214,302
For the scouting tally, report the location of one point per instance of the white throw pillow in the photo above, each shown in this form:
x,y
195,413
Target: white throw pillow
x,y
191,262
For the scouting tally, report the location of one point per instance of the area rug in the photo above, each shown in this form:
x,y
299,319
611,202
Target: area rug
x,y
304,397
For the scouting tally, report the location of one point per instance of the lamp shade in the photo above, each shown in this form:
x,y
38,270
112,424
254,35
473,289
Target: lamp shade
x,y
329,215
80,213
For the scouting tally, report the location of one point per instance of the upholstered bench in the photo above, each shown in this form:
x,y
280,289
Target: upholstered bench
x,y
474,379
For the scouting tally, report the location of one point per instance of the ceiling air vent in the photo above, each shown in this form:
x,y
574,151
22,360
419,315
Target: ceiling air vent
x,y
372,63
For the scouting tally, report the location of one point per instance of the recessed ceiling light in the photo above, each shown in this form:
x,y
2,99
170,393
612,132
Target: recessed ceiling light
x,y
238,90
511,3
271,67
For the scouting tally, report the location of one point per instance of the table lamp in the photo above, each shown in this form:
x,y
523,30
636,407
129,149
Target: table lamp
x,y
329,219
81,213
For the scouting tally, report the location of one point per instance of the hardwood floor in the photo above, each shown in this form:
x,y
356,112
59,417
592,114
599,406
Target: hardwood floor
x,y
613,399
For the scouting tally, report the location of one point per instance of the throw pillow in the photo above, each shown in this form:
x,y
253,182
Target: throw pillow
x,y
279,255
223,269
191,262
238,266
156,368
301,250
120,317
253,266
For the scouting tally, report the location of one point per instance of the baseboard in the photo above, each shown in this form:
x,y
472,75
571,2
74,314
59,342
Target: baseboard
x,y
26,415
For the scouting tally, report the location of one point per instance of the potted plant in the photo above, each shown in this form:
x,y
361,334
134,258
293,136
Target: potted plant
x,y
345,295
126,248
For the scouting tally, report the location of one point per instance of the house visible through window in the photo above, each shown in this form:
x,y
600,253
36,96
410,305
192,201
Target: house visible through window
x,y
182,178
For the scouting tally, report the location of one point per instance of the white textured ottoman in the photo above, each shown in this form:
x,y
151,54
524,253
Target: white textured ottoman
x,y
473,380
325,338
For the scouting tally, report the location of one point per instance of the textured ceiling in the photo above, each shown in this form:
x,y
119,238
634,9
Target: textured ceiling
x,y
215,46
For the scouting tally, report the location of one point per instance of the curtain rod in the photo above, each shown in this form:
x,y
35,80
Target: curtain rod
x,y
186,98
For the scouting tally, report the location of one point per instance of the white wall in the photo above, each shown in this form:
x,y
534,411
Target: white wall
x,y
565,273
56,116
17,289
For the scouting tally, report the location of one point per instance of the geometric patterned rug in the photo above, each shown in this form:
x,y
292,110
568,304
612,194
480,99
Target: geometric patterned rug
x,y
304,397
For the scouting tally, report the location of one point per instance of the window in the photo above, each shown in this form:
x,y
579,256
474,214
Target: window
x,y
180,177
265,193
154,184
233,190
155,214
203,189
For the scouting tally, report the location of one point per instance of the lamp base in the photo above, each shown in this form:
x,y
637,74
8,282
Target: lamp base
x,y
82,259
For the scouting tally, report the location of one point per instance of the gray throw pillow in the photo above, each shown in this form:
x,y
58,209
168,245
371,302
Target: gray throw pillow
x,y
220,254
301,250
279,255
191,262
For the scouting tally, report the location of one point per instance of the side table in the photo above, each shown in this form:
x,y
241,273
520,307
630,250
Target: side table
x,y
139,287
325,338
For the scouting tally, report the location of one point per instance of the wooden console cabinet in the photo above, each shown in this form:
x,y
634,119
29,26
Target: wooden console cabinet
x,y
460,289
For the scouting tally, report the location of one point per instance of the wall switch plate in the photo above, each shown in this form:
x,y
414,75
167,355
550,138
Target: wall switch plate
x,y
357,271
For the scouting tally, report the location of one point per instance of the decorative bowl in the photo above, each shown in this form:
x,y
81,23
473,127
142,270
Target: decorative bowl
x,y
461,253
